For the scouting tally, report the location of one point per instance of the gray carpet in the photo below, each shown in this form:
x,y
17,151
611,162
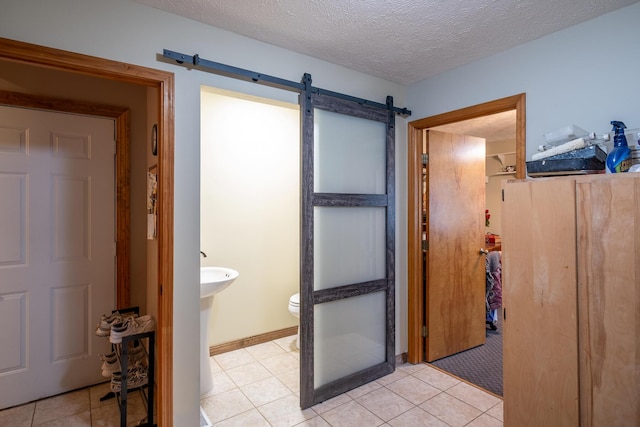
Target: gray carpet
x,y
481,365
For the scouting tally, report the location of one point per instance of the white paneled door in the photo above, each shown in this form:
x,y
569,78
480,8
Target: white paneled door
x,y
57,250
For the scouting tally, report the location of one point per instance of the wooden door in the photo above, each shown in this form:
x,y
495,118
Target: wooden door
x,y
540,360
455,266
57,252
608,215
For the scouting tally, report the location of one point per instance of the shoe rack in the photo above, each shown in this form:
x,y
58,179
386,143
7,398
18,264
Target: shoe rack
x,y
147,341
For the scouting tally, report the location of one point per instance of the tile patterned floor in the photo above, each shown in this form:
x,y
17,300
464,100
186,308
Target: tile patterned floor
x,y
259,386
80,408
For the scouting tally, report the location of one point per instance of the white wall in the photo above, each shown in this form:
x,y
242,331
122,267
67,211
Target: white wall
x,y
586,75
250,210
128,32
494,180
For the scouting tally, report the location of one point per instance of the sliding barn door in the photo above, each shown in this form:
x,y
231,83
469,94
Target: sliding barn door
x,y
347,248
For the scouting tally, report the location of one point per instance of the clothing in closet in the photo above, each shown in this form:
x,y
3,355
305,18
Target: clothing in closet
x,y
493,288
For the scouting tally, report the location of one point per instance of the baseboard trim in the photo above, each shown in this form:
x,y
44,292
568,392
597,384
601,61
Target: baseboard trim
x,y
247,342
270,336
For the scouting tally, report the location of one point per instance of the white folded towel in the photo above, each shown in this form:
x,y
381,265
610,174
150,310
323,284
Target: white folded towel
x,y
575,144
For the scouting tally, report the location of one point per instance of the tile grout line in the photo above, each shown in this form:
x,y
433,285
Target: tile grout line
x,y
409,373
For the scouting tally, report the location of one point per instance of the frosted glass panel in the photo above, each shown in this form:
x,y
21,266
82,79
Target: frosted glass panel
x,y
350,335
349,246
349,154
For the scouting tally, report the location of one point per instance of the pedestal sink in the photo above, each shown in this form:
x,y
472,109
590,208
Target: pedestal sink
x,y
212,281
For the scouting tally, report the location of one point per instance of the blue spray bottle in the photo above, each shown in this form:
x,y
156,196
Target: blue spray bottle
x,y
619,159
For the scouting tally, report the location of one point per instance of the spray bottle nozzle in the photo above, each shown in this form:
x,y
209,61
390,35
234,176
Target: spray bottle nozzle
x,y
618,127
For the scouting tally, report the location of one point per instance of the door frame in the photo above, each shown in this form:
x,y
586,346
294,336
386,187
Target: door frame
x,y
40,56
416,292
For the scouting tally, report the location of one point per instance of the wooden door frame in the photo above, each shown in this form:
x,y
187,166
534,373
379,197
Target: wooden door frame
x,y
416,292
40,56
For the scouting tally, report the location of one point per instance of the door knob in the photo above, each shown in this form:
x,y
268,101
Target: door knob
x,y
483,251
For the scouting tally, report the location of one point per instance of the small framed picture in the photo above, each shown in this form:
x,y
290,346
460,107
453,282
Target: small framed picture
x,y
154,140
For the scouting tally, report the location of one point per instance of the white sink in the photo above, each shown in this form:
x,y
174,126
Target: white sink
x,y
212,281
215,279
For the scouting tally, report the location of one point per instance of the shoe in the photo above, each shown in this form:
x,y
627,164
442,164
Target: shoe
x,y
110,364
104,327
137,376
136,356
109,367
131,326
136,353
107,321
109,356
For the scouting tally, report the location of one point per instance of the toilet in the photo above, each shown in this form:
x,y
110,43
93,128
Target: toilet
x,y
294,309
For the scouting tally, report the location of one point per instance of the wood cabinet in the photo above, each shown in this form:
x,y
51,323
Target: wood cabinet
x,y
571,298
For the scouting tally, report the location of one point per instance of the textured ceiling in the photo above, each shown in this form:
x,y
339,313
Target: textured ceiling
x,y
404,41
496,127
